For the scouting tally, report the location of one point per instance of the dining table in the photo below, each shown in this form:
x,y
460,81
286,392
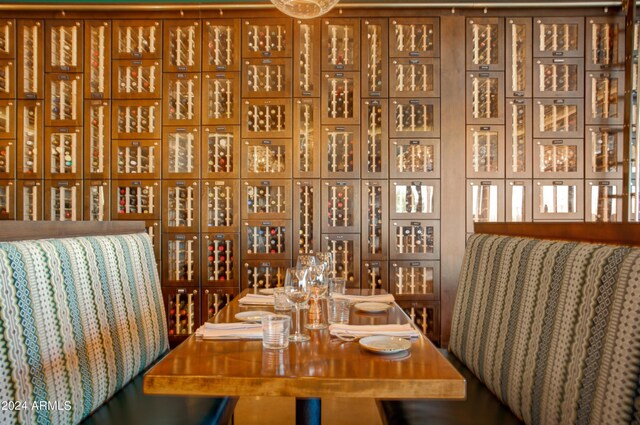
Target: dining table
x,y
323,367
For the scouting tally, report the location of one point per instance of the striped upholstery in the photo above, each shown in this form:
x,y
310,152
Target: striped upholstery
x,y
552,328
79,318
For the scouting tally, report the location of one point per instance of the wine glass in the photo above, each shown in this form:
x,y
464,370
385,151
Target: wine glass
x,y
326,259
297,288
306,260
318,286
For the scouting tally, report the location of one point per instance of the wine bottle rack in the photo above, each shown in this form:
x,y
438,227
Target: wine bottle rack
x,y
7,79
7,38
346,257
264,274
416,280
266,158
97,144
30,200
414,37
266,240
415,158
30,59
183,311
306,72
604,95
30,135
181,148
415,118
341,41
519,54
63,153
340,94
485,38
559,158
220,253
7,200
414,200
64,104
414,240
415,77
518,201
182,92
152,227
375,137
485,202
222,156
558,200
180,259
340,152
306,139
64,52
182,46
137,39
63,200
137,79
562,118
222,44
375,276
518,138
272,39
96,200
425,315
135,200
603,200
136,119
220,206
604,157
7,159
606,46
136,159
340,200
375,219
267,118
221,99
214,300
558,77
267,78
266,199
558,37
485,90
306,215
181,212
7,119
485,148
97,63
375,62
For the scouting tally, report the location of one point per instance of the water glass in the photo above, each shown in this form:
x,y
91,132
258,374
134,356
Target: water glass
x,y
280,300
275,331
339,310
337,285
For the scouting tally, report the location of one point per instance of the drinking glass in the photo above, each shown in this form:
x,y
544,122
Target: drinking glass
x,y
298,289
318,286
326,259
306,260
337,285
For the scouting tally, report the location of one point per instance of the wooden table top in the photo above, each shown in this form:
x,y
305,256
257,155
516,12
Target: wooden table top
x,y
321,367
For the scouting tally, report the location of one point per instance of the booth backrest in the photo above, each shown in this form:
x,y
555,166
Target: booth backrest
x,y
552,327
79,318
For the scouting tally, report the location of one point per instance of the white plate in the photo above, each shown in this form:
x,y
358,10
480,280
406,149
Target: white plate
x,y
252,316
266,291
370,307
385,344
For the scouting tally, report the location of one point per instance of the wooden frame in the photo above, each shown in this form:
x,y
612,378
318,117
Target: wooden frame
x,y
100,58
24,136
258,268
376,85
231,87
395,197
403,273
167,186
487,165
425,104
67,82
414,170
396,252
35,65
333,57
519,58
540,52
306,192
76,153
172,65
208,158
402,89
7,79
22,231
152,185
268,225
518,141
231,189
551,66
8,30
430,50
8,205
571,128
474,98
578,214
132,73
139,147
7,159
152,228
281,84
97,126
476,63
594,135
251,40
191,297
227,63
376,148
490,198
8,111
612,200
350,201
174,84
104,210
609,99
193,275
264,150
558,144
134,52
345,159
330,101
525,212
232,256
171,166
76,198
303,132
381,210
306,47
51,26
147,132
374,276
353,267
284,120
37,196
609,58
210,308
282,195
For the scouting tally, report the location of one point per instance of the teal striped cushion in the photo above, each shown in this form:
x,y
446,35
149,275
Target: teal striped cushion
x,y
79,318
552,328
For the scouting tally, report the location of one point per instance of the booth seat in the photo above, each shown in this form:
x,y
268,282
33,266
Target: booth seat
x,y
545,332
81,319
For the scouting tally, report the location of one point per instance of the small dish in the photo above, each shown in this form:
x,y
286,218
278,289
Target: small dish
x,y
370,307
384,344
266,291
253,316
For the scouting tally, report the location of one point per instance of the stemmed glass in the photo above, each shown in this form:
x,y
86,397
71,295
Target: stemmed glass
x,y
297,288
306,260
326,259
319,286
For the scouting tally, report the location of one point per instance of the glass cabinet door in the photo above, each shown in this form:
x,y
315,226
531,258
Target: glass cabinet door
x,y
374,139
137,39
414,240
31,59
221,98
558,118
340,152
518,200
181,211
485,151
485,41
341,38
340,94
306,138
519,57
64,50
220,206
266,78
136,119
604,157
97,144
558,77
374,57
414,37
266,158
181,149
603,200
606,47
267,118
346,257
415,77
7,200
485,202
414,199
375,219
137,79
182,97
181,259
518,139
97,200
485,102
220,256
604,98
258,275
221,45
266,199
97,60
7,39
306,216
135,199
63,153
266,240
63,200
221,152
182,46
267,38
415,279
306,71
63,106
414,158
340,200
558,200
415,118
554,37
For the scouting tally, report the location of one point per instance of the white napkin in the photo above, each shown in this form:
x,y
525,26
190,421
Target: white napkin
x,y
229,331
257,299
386,298
403,331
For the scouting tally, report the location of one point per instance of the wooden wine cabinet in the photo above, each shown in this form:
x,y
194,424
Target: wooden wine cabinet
x,y
220,260
258,274
97,200
30,200
63,200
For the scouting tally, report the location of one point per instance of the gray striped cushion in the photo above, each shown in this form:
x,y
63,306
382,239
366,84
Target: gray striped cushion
x,y
79,318
552,328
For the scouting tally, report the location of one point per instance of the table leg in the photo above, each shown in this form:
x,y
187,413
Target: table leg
x,y
308,411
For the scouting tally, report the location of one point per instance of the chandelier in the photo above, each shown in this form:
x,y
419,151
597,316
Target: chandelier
x,y
304,9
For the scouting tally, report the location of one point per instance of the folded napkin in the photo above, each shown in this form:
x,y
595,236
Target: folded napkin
x,y
403,331
229,331
386,298
257,299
